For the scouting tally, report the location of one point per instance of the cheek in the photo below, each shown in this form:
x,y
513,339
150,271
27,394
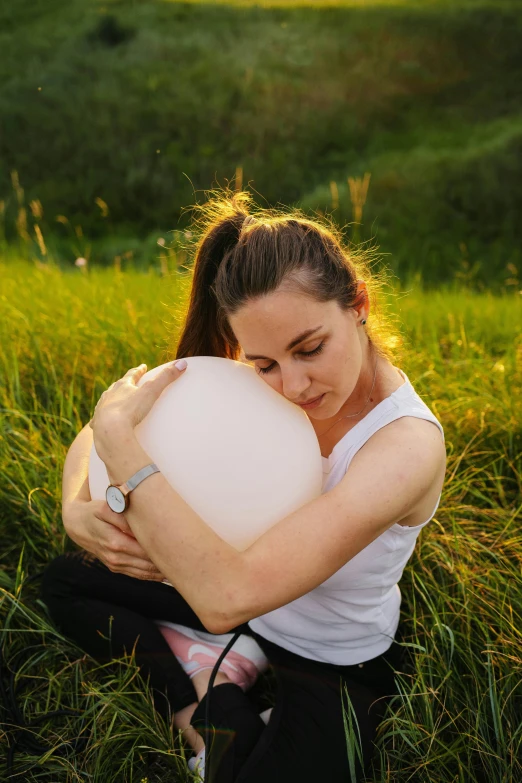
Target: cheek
x,y
341,364
349,357
343,372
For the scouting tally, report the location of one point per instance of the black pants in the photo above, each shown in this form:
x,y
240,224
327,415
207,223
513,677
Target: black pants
x,y
108,615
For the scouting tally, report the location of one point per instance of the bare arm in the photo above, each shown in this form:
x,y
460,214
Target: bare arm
x,y
75,482
92,524
386,483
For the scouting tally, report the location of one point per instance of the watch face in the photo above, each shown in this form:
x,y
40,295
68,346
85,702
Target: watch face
x,y
115,499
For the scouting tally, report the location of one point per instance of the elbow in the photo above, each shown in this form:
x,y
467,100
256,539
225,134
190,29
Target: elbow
x,y
229,607
216,627
219,622
224,617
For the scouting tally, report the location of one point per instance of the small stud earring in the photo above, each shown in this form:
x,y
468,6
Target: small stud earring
x,y
363,321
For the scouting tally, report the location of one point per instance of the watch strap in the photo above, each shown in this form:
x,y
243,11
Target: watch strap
x,y
138,477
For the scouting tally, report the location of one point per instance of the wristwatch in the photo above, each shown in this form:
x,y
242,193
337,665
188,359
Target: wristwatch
x,y
118,497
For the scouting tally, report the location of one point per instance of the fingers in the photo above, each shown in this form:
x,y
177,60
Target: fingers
x,y
123,545
113,533
169,373
136,371
133,371
106,514
121,552
130,547
138,573
99,401
132,566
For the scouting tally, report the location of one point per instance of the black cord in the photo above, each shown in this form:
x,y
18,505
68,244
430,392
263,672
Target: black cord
x,y
207,704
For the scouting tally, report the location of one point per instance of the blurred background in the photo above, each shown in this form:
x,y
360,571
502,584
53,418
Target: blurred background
x,y
402,119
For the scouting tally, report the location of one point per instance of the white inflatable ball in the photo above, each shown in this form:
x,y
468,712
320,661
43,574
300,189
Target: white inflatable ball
x,y
240,454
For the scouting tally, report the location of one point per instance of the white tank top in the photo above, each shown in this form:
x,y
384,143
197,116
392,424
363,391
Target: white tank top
x,y
353,616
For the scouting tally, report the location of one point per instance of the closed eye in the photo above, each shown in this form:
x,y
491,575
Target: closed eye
x,y
317,350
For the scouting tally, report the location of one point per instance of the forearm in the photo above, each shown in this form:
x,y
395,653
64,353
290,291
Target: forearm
x,y
209,573
75,482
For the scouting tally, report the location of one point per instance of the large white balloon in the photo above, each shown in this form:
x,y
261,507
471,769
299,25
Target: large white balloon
x,y
240,454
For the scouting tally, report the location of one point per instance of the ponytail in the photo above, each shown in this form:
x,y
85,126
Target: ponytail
x,y
206,331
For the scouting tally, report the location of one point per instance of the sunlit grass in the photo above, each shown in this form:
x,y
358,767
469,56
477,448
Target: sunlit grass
x,y
65,336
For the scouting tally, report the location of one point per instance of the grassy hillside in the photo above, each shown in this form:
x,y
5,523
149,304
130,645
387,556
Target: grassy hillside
x,y
142,103
458,717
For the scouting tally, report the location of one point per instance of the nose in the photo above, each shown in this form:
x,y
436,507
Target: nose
x,y
295,385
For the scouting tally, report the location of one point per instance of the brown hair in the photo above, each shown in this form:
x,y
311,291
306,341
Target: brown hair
x,y
237,260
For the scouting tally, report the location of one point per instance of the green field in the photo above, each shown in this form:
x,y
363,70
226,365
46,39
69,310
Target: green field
x,y
144,104
64,337
115,115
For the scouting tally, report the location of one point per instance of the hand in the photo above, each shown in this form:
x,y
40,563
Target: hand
x,y
107,535
124,404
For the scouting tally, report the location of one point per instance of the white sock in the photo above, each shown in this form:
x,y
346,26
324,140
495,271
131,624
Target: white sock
x,y
197,763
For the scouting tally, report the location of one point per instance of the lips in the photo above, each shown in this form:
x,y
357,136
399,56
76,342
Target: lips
x,y
312,400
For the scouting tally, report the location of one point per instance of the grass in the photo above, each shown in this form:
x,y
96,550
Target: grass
x,y
458,716
143,104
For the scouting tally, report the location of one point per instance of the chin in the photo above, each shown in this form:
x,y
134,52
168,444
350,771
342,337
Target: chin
x,y
319,413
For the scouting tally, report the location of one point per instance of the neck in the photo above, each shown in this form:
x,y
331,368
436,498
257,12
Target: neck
x,y
359,397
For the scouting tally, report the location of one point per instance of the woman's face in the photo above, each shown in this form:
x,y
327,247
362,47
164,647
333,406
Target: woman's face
x,y
267,327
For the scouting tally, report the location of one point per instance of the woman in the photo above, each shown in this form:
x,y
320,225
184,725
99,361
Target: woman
x,y
318,592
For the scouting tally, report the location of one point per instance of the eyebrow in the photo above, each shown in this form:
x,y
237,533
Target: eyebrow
x,y
295,341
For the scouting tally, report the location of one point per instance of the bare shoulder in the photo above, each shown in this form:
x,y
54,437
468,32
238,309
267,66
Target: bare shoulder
x,y
411,453
407,438
411,427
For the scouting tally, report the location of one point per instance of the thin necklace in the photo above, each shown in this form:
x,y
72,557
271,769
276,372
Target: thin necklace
x,y
351,415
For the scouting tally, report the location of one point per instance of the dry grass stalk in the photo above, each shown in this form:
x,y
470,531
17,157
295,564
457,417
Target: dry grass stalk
x,y
334,190
102,205
21,224
358,191
36,208
17,187
239,178
40,240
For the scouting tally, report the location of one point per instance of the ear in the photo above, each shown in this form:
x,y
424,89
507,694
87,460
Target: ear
x,y
364,309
